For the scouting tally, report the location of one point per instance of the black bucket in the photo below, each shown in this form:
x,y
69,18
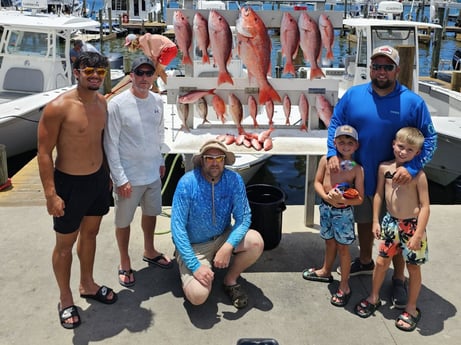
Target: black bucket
x,y
267,204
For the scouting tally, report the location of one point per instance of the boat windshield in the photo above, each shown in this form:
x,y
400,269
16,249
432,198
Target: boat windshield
x,y
31,43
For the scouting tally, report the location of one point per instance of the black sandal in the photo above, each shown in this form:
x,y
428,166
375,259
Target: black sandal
x,y
365,309
67,314
126,274
340,298
237,295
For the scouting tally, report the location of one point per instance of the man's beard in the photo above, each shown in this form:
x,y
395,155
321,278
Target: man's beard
x,y
382,85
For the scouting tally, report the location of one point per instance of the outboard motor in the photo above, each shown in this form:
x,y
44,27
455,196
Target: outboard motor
x,y
456,61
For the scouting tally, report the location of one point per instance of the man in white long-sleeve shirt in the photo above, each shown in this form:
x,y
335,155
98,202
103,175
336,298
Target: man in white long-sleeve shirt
x,y
132,140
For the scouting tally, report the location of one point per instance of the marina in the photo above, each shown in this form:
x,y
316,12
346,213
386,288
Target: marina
x,y
283,307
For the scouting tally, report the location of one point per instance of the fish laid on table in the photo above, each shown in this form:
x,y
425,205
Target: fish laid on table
x,y
219,107
253,109
221,45
194,95
310,42
183,35
303,106
287,109
202,108
202,39
324,109
289,39
236,111
254,48
183,113
327,34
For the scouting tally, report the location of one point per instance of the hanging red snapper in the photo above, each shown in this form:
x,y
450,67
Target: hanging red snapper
x,y
202,39
221,45
324,109
310,42
253,110
304,111
219,107
236,111
254,49
327,34
287,108
194,96
270,112
289,39
183,34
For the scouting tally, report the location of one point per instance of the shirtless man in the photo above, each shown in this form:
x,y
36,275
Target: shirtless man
x,y
76,184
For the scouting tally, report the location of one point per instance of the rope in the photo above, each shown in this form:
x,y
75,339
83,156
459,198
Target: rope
x,y
170,173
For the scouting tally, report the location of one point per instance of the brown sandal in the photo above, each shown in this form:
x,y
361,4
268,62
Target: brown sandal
x,y
237,295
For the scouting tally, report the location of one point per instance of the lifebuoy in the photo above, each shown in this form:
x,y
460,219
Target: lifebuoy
x,y
125,18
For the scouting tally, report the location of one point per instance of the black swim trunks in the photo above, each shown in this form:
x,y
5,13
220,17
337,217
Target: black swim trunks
x,y
86,195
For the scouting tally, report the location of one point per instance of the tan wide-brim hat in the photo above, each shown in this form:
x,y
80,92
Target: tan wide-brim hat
x,y
213,144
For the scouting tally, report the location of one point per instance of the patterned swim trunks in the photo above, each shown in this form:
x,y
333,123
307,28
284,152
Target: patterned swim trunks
x,y
395,235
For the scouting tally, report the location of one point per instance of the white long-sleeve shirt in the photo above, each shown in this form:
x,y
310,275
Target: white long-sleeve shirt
x,y
133,138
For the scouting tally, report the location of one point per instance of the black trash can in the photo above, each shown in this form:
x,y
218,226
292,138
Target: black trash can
x,y
267,204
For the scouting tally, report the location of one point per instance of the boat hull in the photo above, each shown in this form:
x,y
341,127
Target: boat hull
x,y
19,120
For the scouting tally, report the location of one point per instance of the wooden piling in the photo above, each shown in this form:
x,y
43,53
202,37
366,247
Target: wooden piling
x,y
456,81
407,60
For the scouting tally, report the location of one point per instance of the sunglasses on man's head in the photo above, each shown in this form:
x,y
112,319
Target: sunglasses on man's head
x,y
218,159
140,72
386,67
88,71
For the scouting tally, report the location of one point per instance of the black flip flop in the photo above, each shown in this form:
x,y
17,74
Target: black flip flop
x,y
102,295
156,261
127,274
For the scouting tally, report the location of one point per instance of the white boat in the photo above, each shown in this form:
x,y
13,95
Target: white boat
x,y
35,69
444,104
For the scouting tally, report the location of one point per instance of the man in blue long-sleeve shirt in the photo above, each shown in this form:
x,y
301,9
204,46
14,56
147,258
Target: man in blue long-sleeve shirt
x,y
205,202
377,110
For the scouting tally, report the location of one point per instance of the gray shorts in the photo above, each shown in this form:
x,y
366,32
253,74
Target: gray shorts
x,y
149,197
204,252
364,213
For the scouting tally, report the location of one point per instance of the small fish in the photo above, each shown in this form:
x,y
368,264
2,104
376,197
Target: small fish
x,y
264,135
183,112
289,39
194,96
219,107
253,109
202,108
304,111
221,45
230,139
256,144
202,39
239,139
287,108
324,109
267,145
236,111
310,42
270,112
327,33
183,35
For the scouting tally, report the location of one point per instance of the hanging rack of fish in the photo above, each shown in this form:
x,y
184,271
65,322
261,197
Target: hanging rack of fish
x,y
228,91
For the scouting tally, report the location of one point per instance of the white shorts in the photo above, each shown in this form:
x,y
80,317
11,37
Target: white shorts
x,y
149,197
